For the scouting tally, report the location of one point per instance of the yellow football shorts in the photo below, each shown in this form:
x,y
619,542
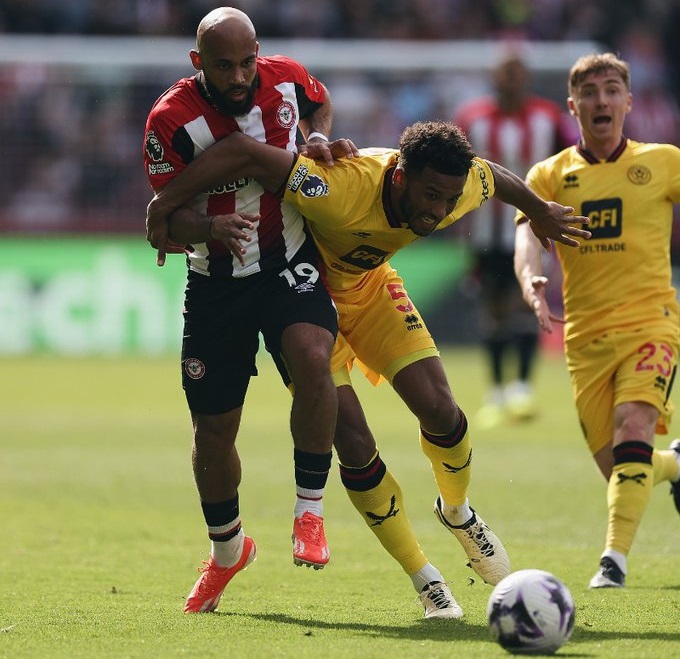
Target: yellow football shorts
x,y
379,328
619,368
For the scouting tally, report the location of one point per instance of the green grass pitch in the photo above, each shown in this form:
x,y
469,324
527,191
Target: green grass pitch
x,y
101,531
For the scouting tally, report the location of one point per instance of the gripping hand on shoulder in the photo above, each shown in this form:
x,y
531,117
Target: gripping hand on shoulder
x,y
329,152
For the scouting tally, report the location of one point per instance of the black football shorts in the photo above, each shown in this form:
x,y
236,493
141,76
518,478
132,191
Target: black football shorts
x,y
223,321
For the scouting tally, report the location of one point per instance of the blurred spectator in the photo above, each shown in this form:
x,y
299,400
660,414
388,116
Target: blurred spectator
x,y
654,117
346,19
515,128
46,198
668,30
72,126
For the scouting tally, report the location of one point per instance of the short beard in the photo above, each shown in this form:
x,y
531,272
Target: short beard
x,y
228,107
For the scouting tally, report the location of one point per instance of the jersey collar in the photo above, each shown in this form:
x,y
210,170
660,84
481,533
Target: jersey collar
x,y
612,157
388,208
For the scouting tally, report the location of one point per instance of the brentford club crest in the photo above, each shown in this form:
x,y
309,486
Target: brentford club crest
x,y
194,368
285,114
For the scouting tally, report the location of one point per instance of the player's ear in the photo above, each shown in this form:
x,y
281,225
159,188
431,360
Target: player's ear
x,y
196,60
629,103
572,106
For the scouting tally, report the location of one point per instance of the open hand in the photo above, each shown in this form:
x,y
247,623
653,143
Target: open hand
x,y
534,295
558,224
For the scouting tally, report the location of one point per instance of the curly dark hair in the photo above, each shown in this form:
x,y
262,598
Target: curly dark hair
x,y
440,145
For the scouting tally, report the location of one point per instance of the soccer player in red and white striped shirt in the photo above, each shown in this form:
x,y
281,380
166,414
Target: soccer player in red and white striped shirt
x,y
515,128
272,287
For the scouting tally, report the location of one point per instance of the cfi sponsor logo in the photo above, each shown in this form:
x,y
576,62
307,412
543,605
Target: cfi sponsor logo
x,y
365,257
194,368
606,217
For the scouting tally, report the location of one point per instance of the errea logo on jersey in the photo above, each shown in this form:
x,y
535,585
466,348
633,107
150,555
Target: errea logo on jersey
x,y
570,181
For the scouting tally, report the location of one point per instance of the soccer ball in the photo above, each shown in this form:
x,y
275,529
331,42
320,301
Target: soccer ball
x,y
530,612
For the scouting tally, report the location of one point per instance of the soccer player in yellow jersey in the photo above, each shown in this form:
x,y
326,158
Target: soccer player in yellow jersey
x,y
361,211
621,331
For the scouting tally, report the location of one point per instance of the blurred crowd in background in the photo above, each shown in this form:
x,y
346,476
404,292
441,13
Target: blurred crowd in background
x,y
605,21
72,152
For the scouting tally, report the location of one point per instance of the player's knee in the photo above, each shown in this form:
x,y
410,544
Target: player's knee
x,y
354,447
216,432
312,371
440,412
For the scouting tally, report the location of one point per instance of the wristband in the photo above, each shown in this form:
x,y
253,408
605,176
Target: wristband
x,y
316,133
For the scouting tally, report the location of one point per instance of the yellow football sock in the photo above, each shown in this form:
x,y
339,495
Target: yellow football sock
x,y
628,493
665,466
375,493
450,464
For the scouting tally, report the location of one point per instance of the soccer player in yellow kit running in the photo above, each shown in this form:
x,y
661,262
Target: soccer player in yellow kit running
x,y
360,212
621,332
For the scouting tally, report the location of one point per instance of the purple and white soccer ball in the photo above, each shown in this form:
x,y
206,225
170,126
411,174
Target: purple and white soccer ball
x,y
531,612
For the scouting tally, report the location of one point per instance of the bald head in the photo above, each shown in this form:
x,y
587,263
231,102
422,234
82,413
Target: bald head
x,y
226,58
229,23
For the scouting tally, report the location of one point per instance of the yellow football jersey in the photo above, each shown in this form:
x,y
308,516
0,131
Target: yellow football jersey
x,y
620,279
349,212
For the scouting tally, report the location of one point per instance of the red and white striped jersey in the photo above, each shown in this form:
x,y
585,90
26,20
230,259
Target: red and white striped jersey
x,y
183,122
516,141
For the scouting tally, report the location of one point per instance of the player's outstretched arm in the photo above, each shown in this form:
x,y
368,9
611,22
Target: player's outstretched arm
x,y
547,219
529,273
